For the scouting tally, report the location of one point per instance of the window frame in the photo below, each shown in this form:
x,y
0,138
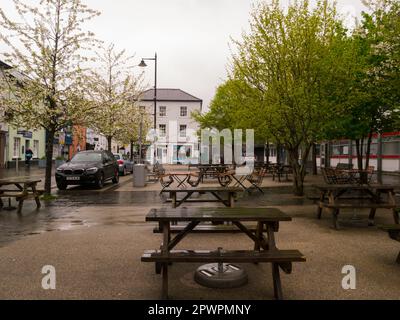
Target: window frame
x,y
164,113
180,131
164,132
185,113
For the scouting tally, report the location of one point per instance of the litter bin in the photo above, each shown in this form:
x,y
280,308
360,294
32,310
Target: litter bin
x,y
139,175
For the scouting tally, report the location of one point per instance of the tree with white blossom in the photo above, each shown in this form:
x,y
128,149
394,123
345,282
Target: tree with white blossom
x,y
113,90
47,44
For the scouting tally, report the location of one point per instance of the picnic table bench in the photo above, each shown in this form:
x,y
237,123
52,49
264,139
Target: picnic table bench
x,y
26,189
335,197
215,191
264,251
280,170
255,178
394,233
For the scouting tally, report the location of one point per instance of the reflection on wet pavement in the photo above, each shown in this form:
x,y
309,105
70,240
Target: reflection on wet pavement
x,y
73,209
85,208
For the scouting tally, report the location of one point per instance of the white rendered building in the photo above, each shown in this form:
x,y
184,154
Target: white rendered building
x,y
177,140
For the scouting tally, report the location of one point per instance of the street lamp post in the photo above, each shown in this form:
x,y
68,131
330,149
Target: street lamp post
x,y
143,64
140,134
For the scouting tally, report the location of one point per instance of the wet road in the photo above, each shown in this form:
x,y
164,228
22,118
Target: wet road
x,y
81,207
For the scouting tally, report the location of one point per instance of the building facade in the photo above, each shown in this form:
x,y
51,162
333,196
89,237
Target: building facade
x,y
344,151
97,141
177,140
15,141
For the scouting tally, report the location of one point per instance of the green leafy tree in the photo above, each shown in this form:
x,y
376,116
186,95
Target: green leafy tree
x,y
373,102
291,58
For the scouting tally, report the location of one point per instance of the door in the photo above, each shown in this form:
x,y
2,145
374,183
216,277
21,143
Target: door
x,y
109,167
162,154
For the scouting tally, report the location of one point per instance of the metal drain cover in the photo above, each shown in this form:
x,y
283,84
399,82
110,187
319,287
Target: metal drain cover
x,y
220,275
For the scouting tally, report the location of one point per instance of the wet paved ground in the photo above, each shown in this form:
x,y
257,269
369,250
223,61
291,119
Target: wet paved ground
x,y
65,212
95,239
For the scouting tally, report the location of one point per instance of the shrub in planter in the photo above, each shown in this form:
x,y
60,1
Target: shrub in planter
x,y
42,162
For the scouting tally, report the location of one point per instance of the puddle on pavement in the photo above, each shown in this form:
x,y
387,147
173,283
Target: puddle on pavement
x,y
66,213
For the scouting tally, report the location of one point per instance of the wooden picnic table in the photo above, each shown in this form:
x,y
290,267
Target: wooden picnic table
x,y
181,177
215,191
212,170
264,250
356,196
239,178
26,188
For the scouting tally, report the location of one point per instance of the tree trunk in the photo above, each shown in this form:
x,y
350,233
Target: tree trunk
x,y
131,155
267,152
314,159
359,149
49,160
278,153
364,175
109,140
299,170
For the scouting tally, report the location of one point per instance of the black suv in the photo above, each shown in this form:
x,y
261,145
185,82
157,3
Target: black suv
x,y
88,167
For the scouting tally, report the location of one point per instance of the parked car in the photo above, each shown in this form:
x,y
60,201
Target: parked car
x,y
88,167
125,165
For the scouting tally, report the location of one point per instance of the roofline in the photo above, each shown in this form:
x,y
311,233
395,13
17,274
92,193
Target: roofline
x,y
172,100
195,98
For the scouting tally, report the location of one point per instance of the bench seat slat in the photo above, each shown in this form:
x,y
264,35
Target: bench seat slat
x,y
227,256
12,195
209,229
358,205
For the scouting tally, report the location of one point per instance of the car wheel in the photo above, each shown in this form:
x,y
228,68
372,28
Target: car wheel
x,y
116,177
100,181
61,186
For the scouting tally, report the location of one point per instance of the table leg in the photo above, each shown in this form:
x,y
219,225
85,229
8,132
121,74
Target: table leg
x,y
395,216
164,294
227,203
334,211
392,200
239,182
231,199
277,282
259,230
371,217
321,199
271,236
20,204
164,249
38,204
173,196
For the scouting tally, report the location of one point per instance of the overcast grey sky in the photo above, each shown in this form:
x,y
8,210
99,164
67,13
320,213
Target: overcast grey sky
x,y
191,37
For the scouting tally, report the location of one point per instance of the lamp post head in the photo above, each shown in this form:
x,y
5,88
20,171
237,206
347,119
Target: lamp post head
x,y
142,64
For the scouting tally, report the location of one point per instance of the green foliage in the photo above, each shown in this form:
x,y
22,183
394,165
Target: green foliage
x,y
284,77
373,103
235,106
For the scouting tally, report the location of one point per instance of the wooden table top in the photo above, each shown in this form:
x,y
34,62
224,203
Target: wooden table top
x,y
355,186
19,181
181,173
204,189
217,214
